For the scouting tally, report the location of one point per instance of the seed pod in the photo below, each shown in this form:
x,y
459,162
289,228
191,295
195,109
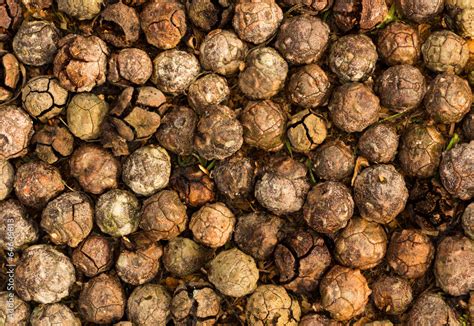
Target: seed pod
x,y
149,304
68,219
353,57
53,142
314,5
448,98
333,161
306,131
117,213
462,12
44,275
399,44
233,273
163,216
344,292
183,256
309,86
354,107
318,320
80,9
256,22
264,74
195,188
164,23
445,51
10,17
457,174
264,125
119,25
410,253
431,309
380,193
401,88
176,131
301,259
328,207
379,143
7,176
174,71
420,11
95,169
102,300
208,90
283,187
52,314
468,126
15,219
130,66
222,52
420,151
195,302
11,72
392,294
453,272
468,221
81,62
16,129
93,256
302,39
361,244
212,225
8,302
365,13
85,115
207,14
147,170
258,233
271,304
219,134
36,183
43,97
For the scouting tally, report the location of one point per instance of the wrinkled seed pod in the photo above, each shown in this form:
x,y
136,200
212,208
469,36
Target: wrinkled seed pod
x,y
317,320
149,304
10,16
306,131
468,221
21,310
283,187
399,44
301,259
468,126
420,151
163,215
302,39
81,62
174,70
130,65
16,129
19,229
444,51
453,266
183,256
117,213
102,300
195,188
457,171
392,294
431,309
316,5
233,273
264,125
235,176
361,244
347,14
344,292
211,89
353,57
44,275
271,305
419,11
309,86
212,225
328,207
93,256
95,169
119,25
85,114
256,21
379,143
80,9
207,14
380,193
53,142
7,176
43,97
53,314
264,73
333,161
258,233
68,219
462,11
354,107
36,183
11,73
410,253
